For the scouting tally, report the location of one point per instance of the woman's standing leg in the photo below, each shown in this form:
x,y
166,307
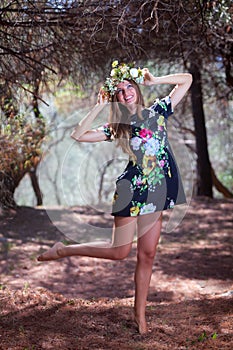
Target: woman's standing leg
x,y
149,228
122,238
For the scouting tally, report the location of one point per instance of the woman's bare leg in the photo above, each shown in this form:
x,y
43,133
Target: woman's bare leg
x,y
149,227
119,248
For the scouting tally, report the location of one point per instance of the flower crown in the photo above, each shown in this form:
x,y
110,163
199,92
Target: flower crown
x,y
119,73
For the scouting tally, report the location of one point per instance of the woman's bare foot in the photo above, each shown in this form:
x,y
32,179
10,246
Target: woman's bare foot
x,y
141,324
53,253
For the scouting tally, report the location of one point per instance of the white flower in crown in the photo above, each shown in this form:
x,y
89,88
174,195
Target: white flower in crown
x,y
124,69
119,73
113,72
133,72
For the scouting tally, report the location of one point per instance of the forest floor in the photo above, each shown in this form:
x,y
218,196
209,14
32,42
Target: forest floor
x,y
81,303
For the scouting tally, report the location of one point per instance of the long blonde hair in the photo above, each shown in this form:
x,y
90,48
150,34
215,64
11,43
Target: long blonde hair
x,y
119,120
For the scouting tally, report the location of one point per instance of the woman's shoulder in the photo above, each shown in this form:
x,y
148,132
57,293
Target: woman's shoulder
x,y
162,106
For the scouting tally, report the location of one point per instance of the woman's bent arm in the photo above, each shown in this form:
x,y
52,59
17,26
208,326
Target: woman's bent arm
x,y
82,132
182,82
91,136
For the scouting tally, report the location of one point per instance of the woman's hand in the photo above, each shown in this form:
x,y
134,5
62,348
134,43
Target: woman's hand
x,y
149,79
103,97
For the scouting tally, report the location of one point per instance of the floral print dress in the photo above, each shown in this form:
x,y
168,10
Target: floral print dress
x,y
153,183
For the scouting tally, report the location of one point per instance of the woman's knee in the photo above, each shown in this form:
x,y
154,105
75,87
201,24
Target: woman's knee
x,y
146,256
121,252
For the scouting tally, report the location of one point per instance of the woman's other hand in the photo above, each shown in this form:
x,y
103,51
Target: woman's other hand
x,y
149,79
103,97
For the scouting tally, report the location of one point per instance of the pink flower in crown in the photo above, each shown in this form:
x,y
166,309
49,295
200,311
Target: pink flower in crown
x,y
145,133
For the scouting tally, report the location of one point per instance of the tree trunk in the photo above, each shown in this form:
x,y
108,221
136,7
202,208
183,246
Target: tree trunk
x,y
36,186
7,188
204,178
103,172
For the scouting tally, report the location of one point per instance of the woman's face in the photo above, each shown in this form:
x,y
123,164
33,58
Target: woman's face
x,y
126,93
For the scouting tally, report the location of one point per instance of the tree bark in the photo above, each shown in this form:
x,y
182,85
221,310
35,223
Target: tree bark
x,y
204,178
7,188
36,187
103,172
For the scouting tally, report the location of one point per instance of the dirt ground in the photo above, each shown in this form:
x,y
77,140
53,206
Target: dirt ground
x,y
80,303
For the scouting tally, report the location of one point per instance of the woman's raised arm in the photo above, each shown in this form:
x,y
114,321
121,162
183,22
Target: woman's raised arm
x,y
182,82
82,132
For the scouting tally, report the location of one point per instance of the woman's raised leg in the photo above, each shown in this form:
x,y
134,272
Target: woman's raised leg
x,y
122,238
149,227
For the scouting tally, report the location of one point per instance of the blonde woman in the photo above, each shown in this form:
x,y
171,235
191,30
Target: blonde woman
x,y
149,184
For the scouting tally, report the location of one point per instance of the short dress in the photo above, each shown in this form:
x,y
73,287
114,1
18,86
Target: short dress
x,y
153,183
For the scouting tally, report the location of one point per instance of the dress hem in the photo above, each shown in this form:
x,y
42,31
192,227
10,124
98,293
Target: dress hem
x,y
156,211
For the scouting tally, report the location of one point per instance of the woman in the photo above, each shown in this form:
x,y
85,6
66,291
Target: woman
x,y
150,182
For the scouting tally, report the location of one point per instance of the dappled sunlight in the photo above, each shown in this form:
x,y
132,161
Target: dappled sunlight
x,y
90,300
41,319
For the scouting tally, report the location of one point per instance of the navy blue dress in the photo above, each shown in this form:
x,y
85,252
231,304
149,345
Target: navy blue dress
x,y
153,183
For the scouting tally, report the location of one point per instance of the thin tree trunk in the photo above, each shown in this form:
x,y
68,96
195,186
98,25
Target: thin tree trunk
x,y
32,173
103,172
36,187
204,178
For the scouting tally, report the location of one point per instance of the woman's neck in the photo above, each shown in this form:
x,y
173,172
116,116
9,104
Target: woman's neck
x,y
132,108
